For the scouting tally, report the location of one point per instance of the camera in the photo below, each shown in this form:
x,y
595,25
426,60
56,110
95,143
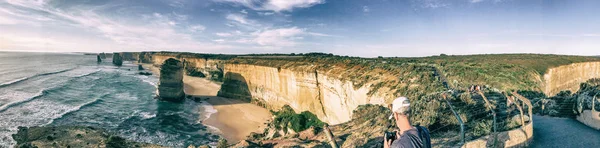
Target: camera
x,y
390,135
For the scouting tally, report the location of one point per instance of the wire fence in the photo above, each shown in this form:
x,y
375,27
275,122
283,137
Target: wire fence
x,y
478,114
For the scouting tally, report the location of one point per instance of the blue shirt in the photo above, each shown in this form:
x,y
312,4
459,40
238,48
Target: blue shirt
x,y
410,139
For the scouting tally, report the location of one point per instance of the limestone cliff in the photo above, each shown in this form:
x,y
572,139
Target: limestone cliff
x,y
117,59
569,77
212,68
145,57
170,85
129,56
331,99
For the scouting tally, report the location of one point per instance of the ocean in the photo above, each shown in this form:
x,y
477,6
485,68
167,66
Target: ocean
x,y
56,89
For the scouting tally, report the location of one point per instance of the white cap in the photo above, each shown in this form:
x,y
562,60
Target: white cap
x,y
400,105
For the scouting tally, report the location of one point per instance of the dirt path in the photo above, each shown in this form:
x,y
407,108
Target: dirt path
x,y
563,132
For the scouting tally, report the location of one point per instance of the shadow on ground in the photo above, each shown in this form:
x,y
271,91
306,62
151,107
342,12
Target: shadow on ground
x,y
550,132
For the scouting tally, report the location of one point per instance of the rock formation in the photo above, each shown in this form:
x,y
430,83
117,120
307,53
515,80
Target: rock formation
x,y
98,58
145,57
72,136
568,77
140,67
331,99
117,59
211,68
170,85
128,56
102,55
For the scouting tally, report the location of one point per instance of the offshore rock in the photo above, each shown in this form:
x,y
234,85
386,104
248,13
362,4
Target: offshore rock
x,y
170,87
140,67
117,59
72,136
102,55
99,59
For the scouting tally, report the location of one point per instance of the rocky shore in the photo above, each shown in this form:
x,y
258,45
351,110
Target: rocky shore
x,y
72,136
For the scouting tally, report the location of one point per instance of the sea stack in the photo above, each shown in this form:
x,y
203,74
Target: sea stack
x,y
98,58
140,67
102,55
117,60
170,87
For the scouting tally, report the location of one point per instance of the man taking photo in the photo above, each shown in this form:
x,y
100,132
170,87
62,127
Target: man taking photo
x,y
407,136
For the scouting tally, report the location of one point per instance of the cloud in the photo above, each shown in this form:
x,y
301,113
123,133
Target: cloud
x,y
366,9
475,1
282,37
430,4
197,28
241,21
244,11
239,18
153,31
223,34
278,37
591,35
275,5
265,13
219,40
175,3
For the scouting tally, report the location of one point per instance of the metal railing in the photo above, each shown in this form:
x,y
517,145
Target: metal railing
x,y
481,114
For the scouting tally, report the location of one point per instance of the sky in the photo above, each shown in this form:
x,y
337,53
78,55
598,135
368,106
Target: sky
x,y
365,28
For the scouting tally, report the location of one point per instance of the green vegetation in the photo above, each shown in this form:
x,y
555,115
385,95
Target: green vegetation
x,y
222,143
287,118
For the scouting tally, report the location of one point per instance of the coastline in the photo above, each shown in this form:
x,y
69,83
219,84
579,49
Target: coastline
x,y
233,118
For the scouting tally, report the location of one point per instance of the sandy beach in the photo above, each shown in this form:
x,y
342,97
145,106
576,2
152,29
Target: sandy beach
x,y
234,118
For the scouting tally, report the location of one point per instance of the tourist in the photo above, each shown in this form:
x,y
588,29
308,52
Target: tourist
x,y
407,136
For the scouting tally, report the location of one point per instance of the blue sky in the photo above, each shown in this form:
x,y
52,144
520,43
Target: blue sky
x,y
366,28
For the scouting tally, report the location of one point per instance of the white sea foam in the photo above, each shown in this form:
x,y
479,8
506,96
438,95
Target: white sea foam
x,y
27,97
147,115
89,73
14,81
207,111
39,113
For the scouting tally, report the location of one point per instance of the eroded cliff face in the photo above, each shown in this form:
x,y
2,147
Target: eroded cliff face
x,y
569,77
331,99
204,65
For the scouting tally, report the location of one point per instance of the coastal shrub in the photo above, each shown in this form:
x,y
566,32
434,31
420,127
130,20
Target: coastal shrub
x,y
481,128
222,143
287,118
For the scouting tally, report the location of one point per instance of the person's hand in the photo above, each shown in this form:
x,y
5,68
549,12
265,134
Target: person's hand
x,y
386,143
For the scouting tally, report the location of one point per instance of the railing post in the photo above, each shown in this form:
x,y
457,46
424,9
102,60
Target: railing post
x,y
518,107
489,106
462,125
330,137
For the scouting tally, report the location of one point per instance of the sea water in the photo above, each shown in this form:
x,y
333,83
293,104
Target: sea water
x,y
51,89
